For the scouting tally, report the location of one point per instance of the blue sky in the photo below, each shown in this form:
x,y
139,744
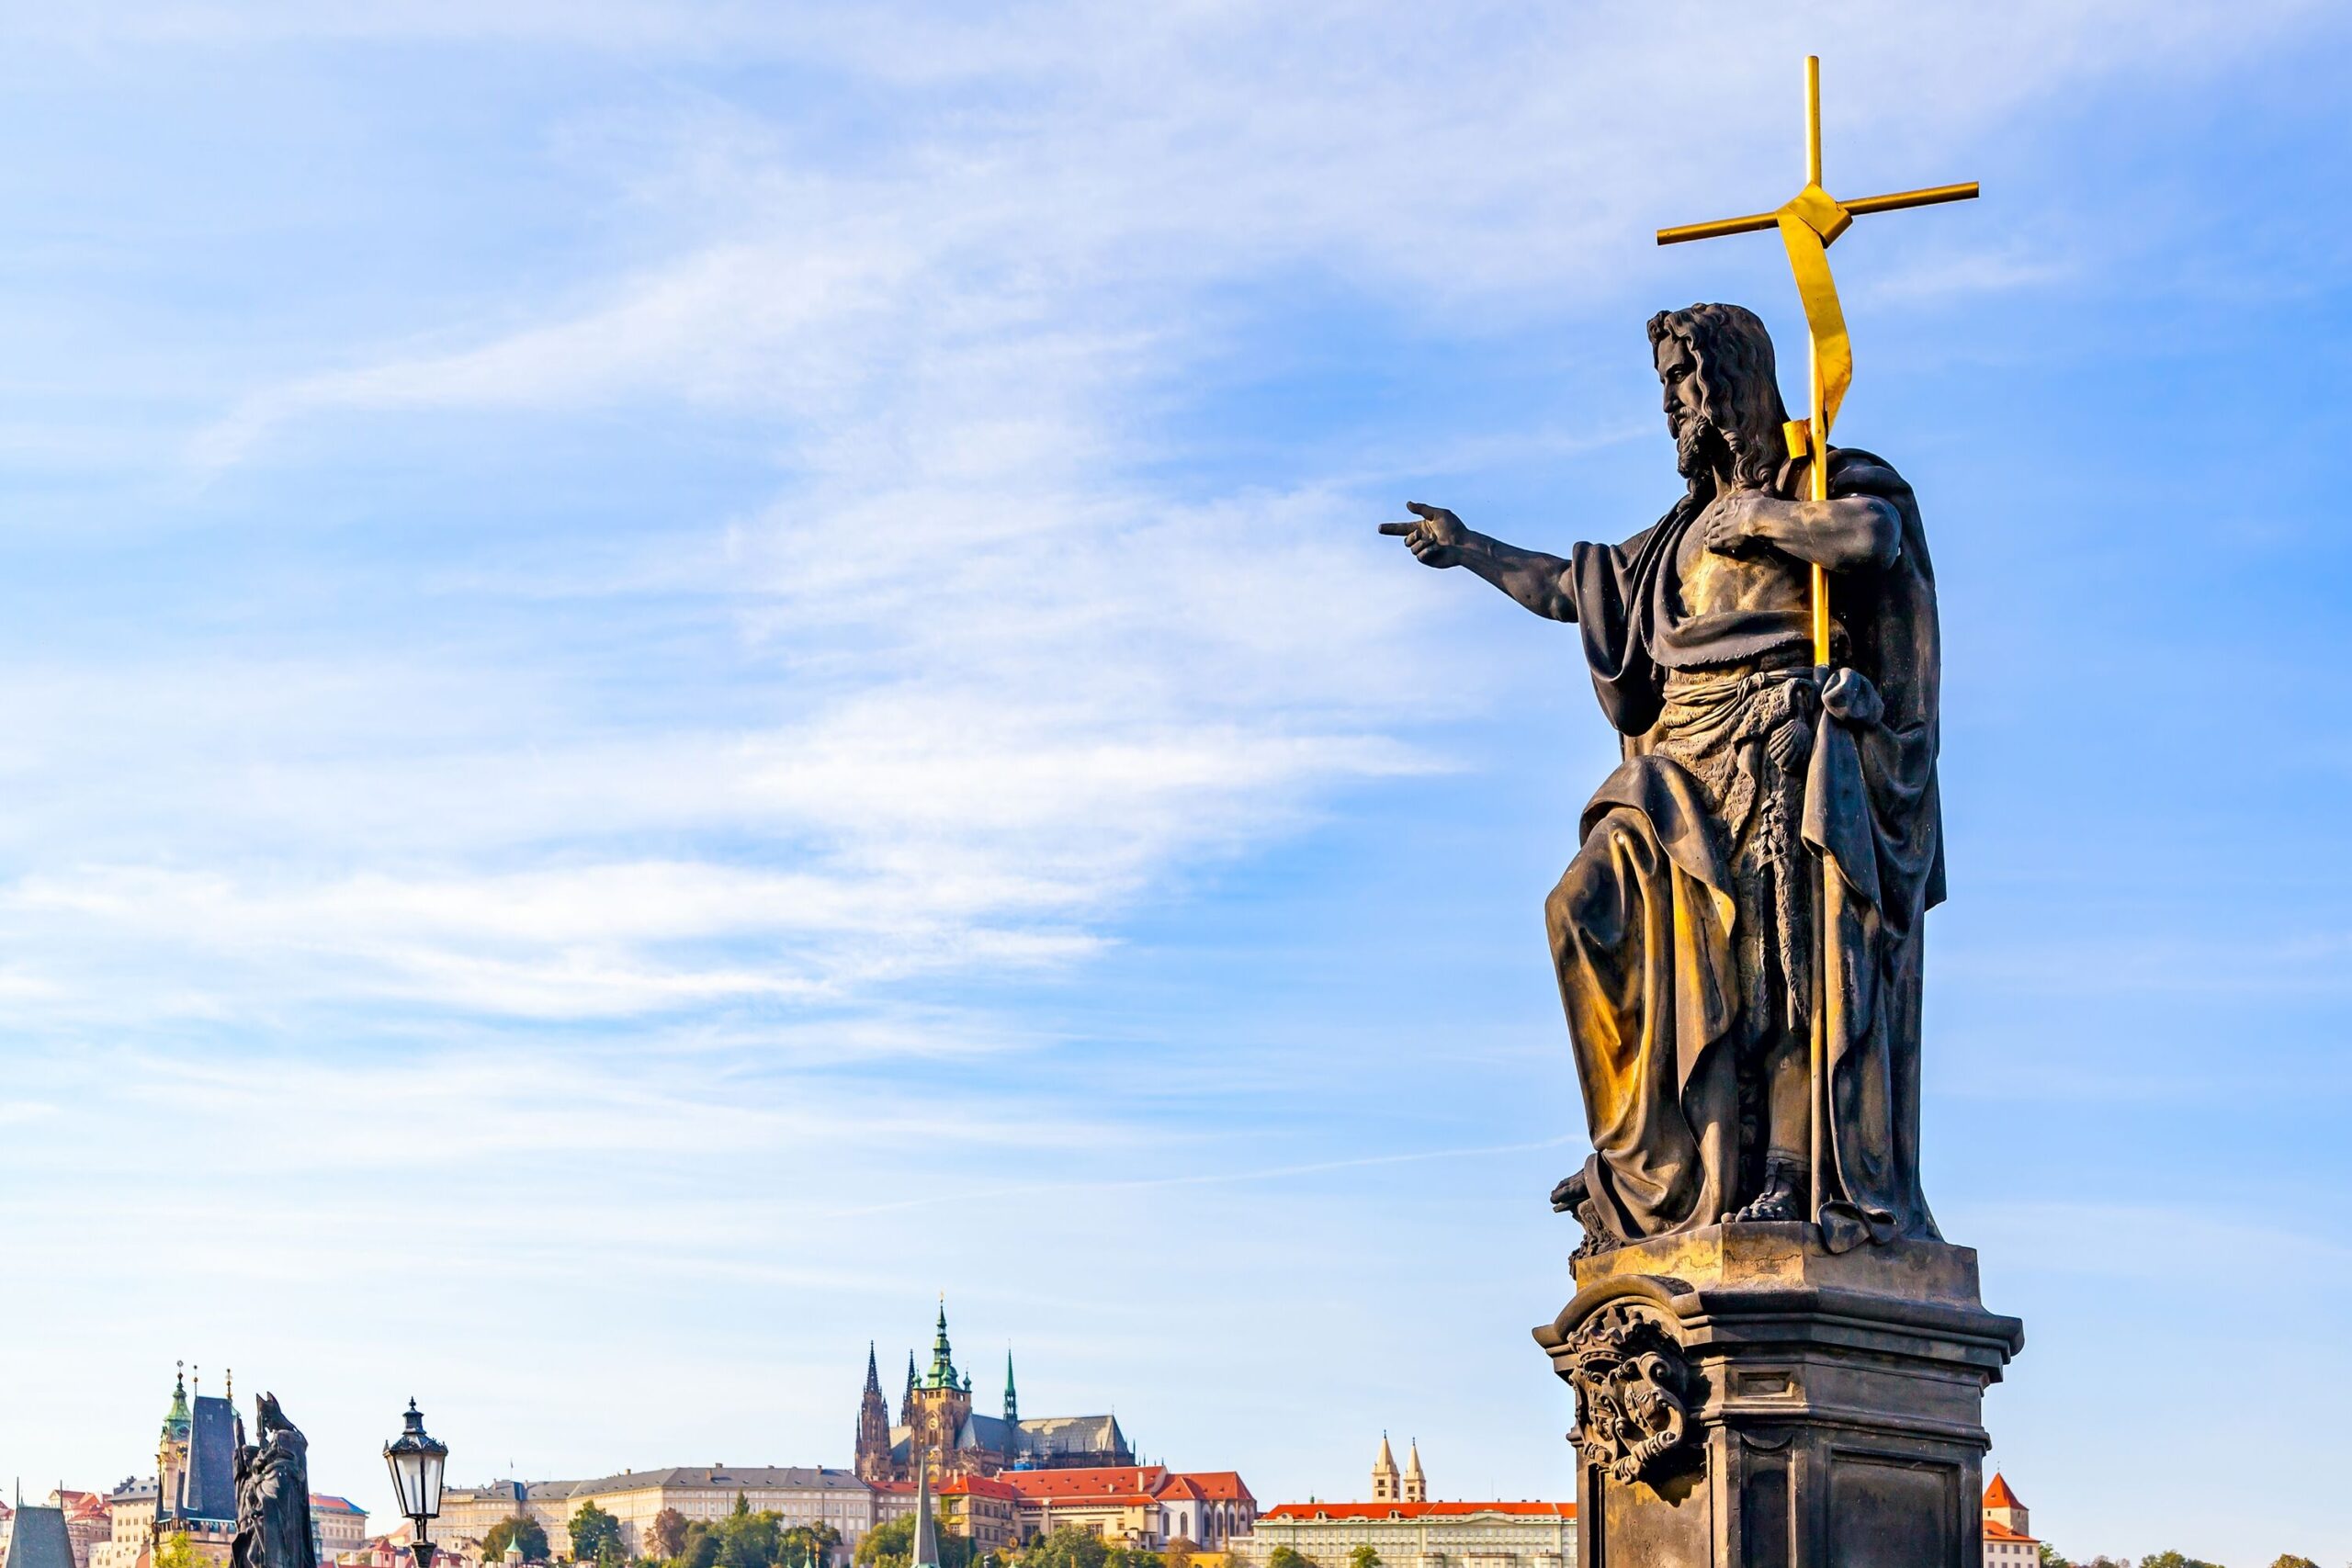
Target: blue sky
x,y
678,676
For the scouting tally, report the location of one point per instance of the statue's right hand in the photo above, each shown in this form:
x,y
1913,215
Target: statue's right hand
x,y
1435,539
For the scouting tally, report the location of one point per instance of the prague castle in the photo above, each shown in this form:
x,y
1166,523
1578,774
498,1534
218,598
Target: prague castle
x,y
936,1423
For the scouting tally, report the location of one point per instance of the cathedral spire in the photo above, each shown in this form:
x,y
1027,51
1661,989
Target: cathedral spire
x,y
1012,1400
873,1373
943,1361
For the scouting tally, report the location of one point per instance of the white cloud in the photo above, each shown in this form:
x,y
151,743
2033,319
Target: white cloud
x,y
1029,679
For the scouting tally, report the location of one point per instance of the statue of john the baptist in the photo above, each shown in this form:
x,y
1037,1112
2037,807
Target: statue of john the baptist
x,y
1682,931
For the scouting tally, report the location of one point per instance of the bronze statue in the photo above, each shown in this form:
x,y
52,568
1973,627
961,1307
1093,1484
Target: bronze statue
x,y
1756,868
273,1494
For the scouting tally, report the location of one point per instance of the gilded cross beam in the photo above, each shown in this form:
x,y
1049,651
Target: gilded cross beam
x,y
1809,222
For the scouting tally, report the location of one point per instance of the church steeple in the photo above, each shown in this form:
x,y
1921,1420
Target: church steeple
x,y
1416,1486
873,1425
176,1419
1012,1400
907,1399
1384,1474
943,1361
925,1552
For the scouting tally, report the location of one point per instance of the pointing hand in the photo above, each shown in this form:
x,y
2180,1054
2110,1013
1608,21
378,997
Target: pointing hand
x,y
1436,539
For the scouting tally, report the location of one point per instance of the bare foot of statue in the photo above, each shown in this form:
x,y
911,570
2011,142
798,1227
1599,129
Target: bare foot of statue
x,y
1783,1194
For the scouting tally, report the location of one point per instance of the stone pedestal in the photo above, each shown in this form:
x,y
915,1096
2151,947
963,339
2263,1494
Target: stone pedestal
x,y
1746,1400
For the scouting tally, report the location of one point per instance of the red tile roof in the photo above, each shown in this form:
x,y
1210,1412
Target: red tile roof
x,y
1311,1511
1220,1485
1995,1530
1998,1494
1039,1484
976,1486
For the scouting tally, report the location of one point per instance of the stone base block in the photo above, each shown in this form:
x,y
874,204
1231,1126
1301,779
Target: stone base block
x,y
1746,1399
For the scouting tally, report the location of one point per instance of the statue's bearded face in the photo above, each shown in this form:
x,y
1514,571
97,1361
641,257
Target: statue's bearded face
x,y
1697,445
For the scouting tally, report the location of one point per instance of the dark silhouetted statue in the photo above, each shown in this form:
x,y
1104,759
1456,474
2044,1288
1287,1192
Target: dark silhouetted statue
x,y
273,1494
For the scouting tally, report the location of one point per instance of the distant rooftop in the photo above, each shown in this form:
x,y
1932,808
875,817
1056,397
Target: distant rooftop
x,y
1309,1512
41,1540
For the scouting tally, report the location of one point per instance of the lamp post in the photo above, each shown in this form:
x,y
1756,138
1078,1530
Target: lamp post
x,y
415,1462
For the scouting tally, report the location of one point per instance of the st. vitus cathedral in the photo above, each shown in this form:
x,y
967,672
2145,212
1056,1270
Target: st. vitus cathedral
x,y
936,1421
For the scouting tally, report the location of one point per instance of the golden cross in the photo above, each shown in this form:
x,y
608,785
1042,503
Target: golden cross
x,y
1809,224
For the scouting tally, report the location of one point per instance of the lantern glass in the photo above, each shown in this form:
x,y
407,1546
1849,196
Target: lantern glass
x,y
434,1458
416,1462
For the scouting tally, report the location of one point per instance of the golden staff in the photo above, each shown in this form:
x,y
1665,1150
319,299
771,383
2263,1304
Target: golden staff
x,y
1810,222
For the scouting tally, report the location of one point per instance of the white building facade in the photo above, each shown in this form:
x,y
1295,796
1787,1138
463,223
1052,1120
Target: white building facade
x,y
1418,1535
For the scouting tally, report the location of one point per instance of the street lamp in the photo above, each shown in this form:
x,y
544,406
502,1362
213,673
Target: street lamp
x,y
415,1462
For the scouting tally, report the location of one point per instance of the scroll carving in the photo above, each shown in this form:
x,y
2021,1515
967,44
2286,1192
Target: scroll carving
x,y
1631,1384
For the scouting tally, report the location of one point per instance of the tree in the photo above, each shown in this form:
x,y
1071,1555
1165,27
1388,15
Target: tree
x,y
701,1550
1287,1557
892,1545
521,1530
1066,1547
592,1529
1180,1552
886,1545
2175,1560
666,1536
747,1539
2289,1560
1363,1556
807,1544
176,1550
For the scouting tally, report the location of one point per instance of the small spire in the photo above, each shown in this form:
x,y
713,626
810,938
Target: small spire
x,y
1012,1400
1384,1473
873,1373
924,1552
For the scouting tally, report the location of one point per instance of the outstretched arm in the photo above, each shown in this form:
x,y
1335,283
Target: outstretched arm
x,y
1537,580
1839,535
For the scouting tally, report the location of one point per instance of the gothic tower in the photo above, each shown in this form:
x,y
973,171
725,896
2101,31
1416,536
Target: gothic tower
x,y
1416,1486
943,1400
1011,1401
873,1425
170,1449
907,1400
1384,1486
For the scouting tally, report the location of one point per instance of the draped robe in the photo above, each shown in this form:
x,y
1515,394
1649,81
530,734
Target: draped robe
x,y
1642,923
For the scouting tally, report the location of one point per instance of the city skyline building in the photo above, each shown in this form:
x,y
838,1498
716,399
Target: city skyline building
x,y
2009,1536
797,1494
1408,1529
196,1470
39,1539
936,1422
